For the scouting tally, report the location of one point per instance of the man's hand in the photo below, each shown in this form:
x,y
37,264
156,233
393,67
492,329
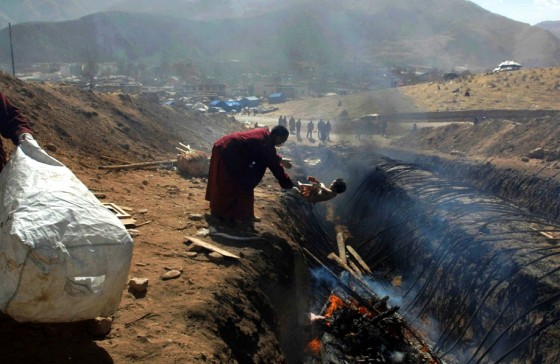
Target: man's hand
x,y
25,136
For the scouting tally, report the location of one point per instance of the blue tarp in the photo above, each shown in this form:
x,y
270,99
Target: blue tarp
x,y
276,98
250,101
231,105
215,103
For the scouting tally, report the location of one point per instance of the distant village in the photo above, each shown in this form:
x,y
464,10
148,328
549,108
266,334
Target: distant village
x,y
185,86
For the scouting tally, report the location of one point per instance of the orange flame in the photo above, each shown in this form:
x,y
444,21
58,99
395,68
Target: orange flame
x,y
314,346
334,303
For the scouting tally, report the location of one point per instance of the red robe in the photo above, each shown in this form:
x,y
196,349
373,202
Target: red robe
x,y
12,124
237,166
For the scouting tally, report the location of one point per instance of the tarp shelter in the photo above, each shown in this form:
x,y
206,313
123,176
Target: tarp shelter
x,y
216,103
276,98
250,101
231,105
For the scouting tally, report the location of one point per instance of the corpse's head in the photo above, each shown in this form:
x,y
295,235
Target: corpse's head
x,y
279,135
338,186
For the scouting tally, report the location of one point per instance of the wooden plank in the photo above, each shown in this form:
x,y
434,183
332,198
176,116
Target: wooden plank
x,y
358,258
354,267
117,210
212,247
341,249
138,165
346,267
544,233
129,223
182,150
187,147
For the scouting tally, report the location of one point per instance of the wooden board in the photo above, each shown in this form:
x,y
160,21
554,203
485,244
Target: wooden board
x,y
341,249
212,247
117,210
359,259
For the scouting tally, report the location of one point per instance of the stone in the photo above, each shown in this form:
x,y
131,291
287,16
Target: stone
x,y
172,274
537,153
215,257
100,326
138,285
196,217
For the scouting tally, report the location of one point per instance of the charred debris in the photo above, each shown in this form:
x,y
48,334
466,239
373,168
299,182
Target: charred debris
x,y
467,276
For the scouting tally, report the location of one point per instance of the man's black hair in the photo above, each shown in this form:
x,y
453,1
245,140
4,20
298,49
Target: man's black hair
x,y
338,185
279,131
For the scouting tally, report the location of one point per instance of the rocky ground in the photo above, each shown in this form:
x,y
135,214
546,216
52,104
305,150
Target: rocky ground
x,y
222,311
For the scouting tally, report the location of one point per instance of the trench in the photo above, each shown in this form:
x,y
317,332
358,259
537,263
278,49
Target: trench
x,y
474,249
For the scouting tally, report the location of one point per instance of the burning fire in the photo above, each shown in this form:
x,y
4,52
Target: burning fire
x,y
314,346
335,302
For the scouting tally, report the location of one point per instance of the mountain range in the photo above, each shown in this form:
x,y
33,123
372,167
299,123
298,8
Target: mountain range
x,y
283,34
551,26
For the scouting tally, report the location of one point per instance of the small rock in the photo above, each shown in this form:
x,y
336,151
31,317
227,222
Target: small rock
x,y
203,232
172,274
143,211
138,285
537,153
216,257
100,326
191,254
524,159
196,217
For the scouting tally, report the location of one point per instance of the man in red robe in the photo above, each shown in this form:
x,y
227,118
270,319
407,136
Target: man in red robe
x,y
13,125
237,166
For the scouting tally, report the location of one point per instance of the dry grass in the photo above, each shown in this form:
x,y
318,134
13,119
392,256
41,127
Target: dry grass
x,y
530,89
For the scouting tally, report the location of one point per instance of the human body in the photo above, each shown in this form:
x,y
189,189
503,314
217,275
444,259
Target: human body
x,y
310,128
238,163
317,192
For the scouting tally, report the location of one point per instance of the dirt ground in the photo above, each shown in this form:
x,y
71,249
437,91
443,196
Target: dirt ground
x,y
216,311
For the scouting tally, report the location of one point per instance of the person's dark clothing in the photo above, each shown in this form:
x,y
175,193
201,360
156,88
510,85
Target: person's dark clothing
x,y
238,163
12,124
310,128
298,129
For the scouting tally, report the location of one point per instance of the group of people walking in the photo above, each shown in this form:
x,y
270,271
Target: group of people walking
x,y
323,128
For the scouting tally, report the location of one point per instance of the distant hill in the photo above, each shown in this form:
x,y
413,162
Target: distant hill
x,y
288,34
14,11
551,26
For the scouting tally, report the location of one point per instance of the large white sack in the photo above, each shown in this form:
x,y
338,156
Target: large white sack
x,y
63,255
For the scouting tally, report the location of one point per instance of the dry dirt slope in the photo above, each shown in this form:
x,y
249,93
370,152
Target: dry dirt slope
x,y
203,315
83,125
526,89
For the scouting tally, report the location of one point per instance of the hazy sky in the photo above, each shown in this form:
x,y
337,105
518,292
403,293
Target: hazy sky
x,y
526,11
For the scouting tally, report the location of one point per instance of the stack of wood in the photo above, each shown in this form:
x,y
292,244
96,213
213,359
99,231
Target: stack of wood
x,y
192,163
359,326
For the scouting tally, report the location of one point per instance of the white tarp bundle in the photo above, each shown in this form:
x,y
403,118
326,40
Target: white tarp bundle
x,y
63,256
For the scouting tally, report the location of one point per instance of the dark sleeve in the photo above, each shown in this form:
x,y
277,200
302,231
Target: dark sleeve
x,y
12,122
